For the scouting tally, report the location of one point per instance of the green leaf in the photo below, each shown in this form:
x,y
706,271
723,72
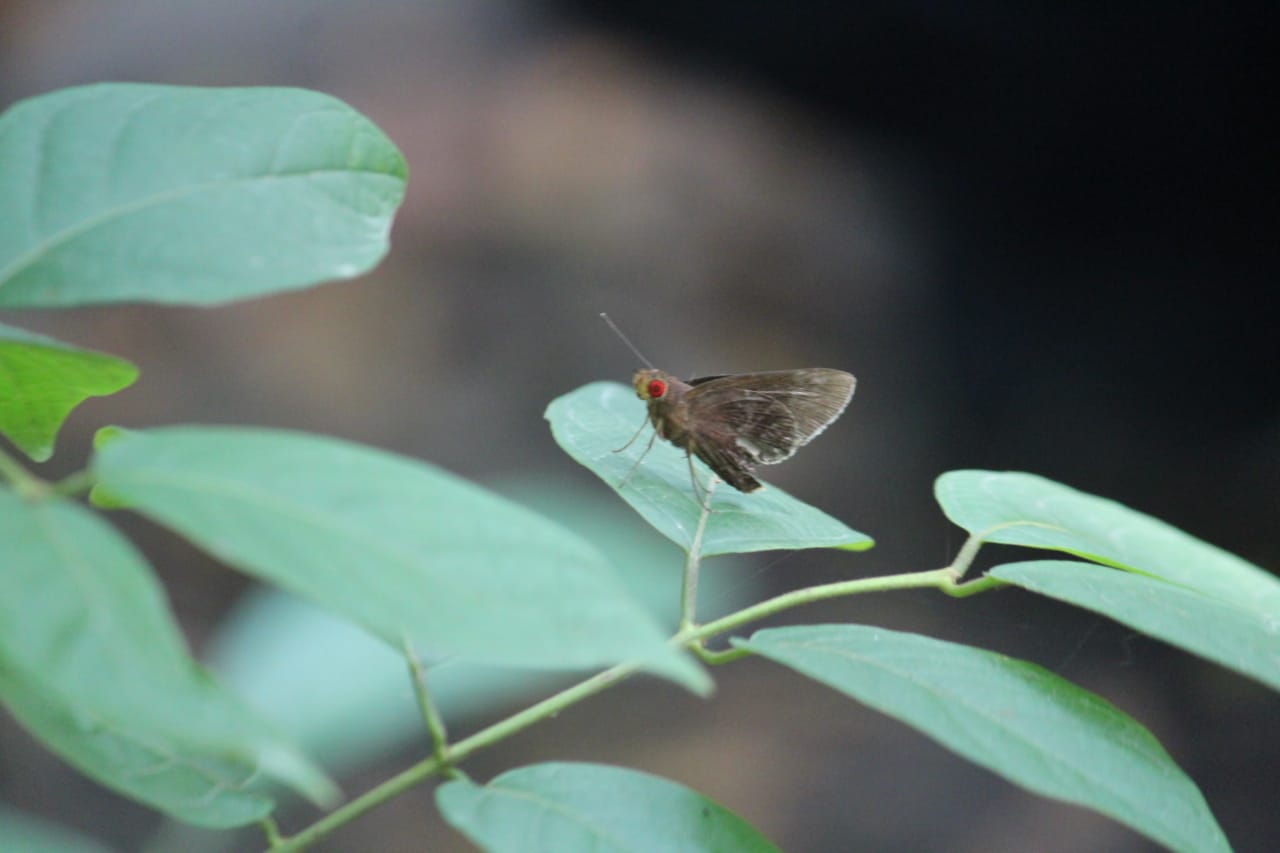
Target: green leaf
x,y
42,380
1014,718
396,545
127,191
1023,509
592,421
284,654
1244,639
92,664
564,807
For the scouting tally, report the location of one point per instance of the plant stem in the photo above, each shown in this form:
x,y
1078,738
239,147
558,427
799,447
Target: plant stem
x,y
75,484
940,578
716,658
270,829
692,563
973,587
427,768
26,484
964,559
690,635
430,713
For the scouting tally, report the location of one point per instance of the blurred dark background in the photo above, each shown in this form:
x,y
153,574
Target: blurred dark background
x,y
1042,235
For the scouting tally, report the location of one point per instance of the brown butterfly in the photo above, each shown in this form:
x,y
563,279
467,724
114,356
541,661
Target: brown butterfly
x,y
734,423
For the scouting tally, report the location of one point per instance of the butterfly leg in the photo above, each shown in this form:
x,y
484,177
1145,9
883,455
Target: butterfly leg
x,y
647,448
633,438
703,495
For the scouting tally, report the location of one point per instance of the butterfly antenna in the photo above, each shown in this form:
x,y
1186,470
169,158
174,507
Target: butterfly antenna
x,y
625,340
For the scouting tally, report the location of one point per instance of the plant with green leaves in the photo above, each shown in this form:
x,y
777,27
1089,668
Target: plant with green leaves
x,y
200,196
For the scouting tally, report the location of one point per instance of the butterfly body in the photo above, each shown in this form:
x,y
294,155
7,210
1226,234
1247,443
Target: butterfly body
x,y
734,423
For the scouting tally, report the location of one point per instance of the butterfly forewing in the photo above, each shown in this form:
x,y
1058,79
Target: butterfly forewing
x,y
767,415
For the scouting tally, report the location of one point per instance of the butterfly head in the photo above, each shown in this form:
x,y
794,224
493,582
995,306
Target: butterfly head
x,y
650,384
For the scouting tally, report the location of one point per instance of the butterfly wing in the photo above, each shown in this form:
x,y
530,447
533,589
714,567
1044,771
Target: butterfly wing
x,y
731,462
763,418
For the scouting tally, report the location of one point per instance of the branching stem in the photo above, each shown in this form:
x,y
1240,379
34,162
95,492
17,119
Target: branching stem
x,y
427,706
455,754
690,635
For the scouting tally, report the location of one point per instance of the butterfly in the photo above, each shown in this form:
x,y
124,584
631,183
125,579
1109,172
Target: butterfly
x,y
736,422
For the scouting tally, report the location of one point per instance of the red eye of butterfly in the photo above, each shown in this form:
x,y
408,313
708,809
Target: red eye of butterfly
x,y
657,388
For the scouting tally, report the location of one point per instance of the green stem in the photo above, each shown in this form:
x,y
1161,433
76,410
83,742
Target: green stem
x,y
716,658
75,484
690,635
938,578
692,563
26,484
271,830
973,587
427,706
455,754
964,559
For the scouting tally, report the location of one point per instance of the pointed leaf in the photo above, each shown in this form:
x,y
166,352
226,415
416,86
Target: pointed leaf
x,y
591,422
1009,716
92,664
127,191
42,380
394,544
1024,509
564,807
1243,639
284,654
